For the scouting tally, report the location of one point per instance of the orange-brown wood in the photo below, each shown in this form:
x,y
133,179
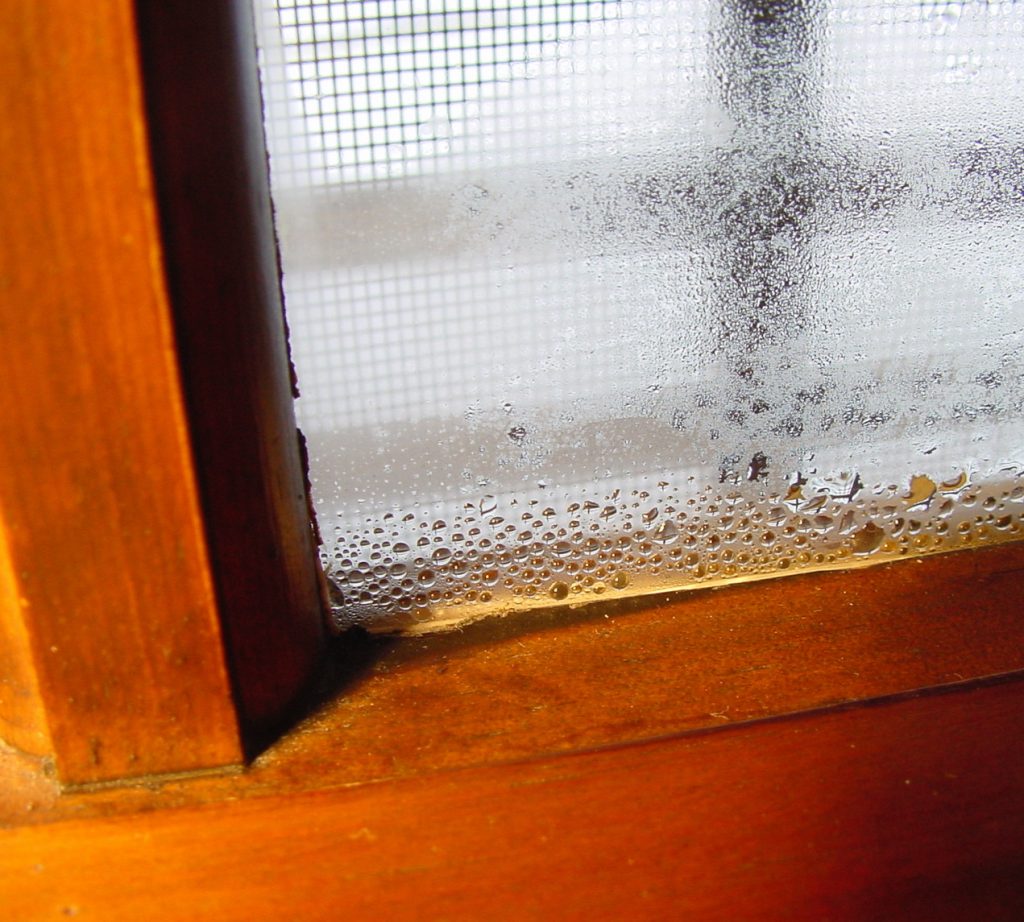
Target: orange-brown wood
x,y
565,765
22,718
564,681
205,122
108,605
911,809
647,764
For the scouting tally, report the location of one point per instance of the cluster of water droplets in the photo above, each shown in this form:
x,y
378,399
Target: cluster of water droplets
x,y
412,571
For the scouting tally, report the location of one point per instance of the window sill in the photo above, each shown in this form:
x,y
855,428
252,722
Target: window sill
x,y
713,749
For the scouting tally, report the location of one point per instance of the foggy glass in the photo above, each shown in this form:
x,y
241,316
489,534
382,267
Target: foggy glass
x,y
605,298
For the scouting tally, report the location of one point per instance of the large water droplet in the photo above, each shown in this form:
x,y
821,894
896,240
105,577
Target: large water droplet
x,y
922,489
868,540
955,485
559,591
562,548
666,532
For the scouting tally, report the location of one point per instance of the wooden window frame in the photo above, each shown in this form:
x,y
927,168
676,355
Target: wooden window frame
x,y
161,607
148,554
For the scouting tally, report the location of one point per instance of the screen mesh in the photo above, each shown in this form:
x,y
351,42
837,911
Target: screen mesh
x,y
614,297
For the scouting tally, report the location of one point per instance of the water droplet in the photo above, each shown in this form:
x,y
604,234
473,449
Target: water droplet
x,y
666,532
559,591
562,548
922,489
868,540
815,503
955,485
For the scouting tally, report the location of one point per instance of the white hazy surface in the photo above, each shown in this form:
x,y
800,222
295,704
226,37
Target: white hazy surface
x,y
572,250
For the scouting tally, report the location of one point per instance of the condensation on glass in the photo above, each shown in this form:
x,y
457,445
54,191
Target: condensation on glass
x,y
604,298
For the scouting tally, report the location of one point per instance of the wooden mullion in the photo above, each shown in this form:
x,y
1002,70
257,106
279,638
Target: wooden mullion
x,y
113,663
209,156
22,717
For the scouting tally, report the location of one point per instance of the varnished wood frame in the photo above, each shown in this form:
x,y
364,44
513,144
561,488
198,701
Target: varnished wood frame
x,y
905,812
156,535
907,806
209,159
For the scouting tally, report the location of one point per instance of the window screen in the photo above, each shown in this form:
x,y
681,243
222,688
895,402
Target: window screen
x,y
604,298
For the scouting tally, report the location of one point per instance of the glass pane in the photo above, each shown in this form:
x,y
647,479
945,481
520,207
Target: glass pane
x,y
607,298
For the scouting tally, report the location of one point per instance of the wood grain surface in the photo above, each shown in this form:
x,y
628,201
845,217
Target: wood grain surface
x,y
22,716
911,809
565,681
109,622
755,752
